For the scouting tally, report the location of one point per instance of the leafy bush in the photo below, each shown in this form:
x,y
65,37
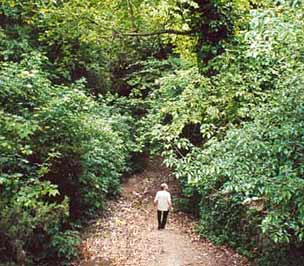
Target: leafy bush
x,y
62,153
66,243
251,183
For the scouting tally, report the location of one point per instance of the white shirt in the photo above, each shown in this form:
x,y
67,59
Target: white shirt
x,y
163,199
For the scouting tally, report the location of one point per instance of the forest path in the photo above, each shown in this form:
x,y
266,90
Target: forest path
x,y
127,234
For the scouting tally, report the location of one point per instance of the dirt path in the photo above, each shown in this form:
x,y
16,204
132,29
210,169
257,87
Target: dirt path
x,y
127,235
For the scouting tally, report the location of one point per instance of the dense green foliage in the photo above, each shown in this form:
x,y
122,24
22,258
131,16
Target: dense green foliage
x,y
235,139
214,86
62,152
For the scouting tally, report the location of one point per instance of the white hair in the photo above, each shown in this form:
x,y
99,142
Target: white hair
x,y
164,186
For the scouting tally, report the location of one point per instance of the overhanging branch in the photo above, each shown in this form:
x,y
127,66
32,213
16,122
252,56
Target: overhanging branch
x,y
175,32
143,34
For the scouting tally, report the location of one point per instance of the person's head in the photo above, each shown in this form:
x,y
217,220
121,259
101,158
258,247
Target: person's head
x,y
164,186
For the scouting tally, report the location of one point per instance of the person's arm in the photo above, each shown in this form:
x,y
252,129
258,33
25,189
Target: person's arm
x,y
156,199
169,201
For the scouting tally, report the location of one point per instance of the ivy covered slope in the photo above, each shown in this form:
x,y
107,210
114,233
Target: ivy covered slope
x,y
233,132
62,152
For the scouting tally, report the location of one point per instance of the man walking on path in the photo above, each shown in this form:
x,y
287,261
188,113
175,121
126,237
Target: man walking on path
x,y
163,202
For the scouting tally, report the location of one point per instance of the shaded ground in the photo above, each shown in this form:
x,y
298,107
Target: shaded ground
x,y
127,235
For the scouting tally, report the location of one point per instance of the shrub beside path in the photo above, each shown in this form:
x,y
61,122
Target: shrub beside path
x,y
127,236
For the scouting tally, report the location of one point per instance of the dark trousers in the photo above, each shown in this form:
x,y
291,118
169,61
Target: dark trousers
x,y
162,219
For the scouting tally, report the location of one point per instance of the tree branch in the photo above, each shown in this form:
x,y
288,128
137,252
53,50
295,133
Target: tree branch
x,y
175,32
143,34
